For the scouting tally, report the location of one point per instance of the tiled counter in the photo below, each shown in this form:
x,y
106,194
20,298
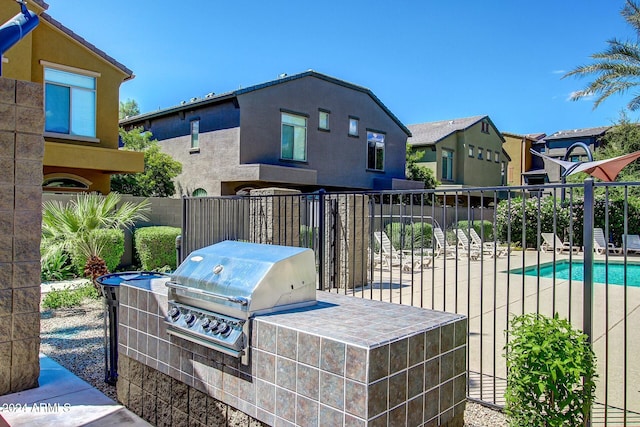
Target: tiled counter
x,y
345,361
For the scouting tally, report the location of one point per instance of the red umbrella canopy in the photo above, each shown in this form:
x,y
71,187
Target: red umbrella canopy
x,y
606,170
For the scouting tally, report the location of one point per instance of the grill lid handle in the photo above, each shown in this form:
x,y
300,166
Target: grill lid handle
x,y
238,300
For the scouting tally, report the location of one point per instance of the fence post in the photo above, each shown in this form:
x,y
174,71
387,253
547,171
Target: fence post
x,y
321,237
587,241
587,232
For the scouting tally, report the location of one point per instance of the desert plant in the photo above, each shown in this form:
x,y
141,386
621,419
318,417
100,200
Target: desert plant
x,y
156,247
69,297
71,227
551,373
56,267
107,245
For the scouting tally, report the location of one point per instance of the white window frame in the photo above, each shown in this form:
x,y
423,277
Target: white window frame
x,y
496,157
80,72
284,122
488,155
326,114
472,151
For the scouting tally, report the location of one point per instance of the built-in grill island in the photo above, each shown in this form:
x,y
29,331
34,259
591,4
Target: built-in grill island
x,y
217,289
240,336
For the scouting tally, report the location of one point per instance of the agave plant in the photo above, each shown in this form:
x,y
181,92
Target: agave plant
x,y
72,225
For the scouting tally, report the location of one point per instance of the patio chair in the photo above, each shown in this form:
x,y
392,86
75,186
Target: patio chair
x,y
600,244
552,241
448,250
489,248
391,257
631,242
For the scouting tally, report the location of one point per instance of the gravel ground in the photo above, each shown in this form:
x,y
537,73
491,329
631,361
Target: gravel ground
x,y
74,338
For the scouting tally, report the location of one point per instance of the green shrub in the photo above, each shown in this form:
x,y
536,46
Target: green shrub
x,y
68,297
551,372
156,247
478,225
509,219
112,243
409,236
614,211
307,234
56,266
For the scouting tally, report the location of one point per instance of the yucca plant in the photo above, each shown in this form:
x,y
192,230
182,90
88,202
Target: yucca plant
x,y
72,226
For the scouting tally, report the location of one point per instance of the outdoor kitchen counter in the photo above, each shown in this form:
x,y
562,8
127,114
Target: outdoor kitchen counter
x,y
342,361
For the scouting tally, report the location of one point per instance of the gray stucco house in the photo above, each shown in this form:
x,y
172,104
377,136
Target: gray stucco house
x,y
305,131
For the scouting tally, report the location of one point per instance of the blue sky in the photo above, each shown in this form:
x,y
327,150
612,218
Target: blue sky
x,y
427,60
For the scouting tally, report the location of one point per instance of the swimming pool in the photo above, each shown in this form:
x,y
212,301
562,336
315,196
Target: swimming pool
x,y
616,271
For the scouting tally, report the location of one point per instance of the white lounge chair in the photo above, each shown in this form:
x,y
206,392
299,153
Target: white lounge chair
x,y
451,252
601,246
552,242
489,248
631,242
391,257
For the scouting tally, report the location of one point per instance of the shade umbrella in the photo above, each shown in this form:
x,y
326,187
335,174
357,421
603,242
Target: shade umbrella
x,y
606,170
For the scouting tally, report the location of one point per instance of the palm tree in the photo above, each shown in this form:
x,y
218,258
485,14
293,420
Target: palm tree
x,y
75,226
617,68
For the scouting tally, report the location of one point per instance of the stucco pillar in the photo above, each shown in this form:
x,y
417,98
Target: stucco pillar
x,y
350,215
21,154
275,216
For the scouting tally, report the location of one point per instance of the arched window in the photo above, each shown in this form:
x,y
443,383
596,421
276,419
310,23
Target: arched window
x,y
199,192
65,182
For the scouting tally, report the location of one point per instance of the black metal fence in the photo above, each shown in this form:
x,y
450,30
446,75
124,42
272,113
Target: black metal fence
x,y
538,249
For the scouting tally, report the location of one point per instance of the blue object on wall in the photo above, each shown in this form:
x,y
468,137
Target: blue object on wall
x,y
12,31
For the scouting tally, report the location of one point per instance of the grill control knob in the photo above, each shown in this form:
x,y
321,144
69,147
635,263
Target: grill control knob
x,y
190,319
174,313
205,323
222,328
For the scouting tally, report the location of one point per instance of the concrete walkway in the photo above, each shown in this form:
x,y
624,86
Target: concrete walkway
x,y
62,399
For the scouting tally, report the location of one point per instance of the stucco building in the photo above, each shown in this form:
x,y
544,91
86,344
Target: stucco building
x,y
81,100
305,131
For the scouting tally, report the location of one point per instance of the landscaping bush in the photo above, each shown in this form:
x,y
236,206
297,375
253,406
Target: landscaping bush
x,y
478,225
69,297
408,236
111,242
156,247
551,373
307,234
615,211
510,218
57,266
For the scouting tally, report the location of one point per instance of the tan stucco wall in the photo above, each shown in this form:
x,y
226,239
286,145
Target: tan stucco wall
x,y
48,43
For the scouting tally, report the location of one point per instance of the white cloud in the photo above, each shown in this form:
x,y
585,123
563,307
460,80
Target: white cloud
x,y
558,72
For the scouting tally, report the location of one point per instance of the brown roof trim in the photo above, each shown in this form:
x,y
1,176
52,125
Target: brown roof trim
x,y
46,17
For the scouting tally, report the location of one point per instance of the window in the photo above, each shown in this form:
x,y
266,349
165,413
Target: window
x,y
353,126
195,134
294,137
199,192
375,151
447,165
480,153
471,151
488,155
64,181
485,126
323,120
496,157
70,103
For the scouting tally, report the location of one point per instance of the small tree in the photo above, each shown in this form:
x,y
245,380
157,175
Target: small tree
x,y
416,172
159,168
72,227
551,372
128,108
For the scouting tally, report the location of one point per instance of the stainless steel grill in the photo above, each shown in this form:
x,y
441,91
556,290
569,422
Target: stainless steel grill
x,y
216,291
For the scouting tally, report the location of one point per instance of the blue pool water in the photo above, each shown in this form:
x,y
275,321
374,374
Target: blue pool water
x,y
616,271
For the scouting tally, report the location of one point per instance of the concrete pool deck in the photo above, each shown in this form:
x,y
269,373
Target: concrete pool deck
x,y
489,295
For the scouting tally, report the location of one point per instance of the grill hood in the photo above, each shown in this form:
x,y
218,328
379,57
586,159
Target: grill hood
x,y
250,277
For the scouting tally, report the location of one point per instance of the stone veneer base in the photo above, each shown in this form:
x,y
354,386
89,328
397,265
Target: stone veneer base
x,y
345,361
